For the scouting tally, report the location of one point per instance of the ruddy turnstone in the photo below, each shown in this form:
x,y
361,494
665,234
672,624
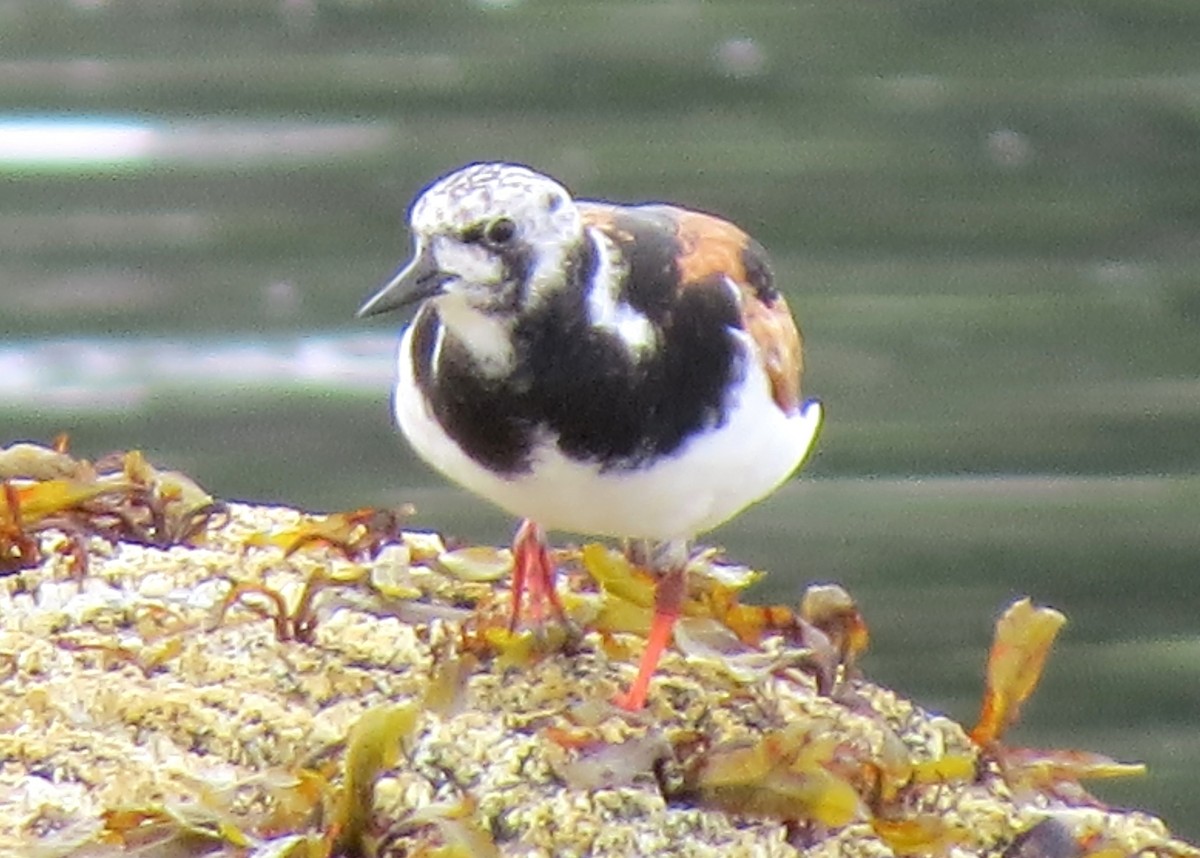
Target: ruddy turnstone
x,y
603,369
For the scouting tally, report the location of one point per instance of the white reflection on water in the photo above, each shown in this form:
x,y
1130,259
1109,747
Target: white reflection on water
x,y
70,141
97,375
49,141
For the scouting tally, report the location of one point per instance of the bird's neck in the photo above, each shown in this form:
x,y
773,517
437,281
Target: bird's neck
x,y
579,296
486,337
606,308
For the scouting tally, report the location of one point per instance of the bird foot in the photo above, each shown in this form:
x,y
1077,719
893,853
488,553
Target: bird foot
x,y
533,569
668,603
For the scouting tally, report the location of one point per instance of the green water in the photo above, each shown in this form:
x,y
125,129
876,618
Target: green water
x,y
984,214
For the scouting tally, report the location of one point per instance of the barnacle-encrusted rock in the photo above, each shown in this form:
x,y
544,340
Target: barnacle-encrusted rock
x,y
144,687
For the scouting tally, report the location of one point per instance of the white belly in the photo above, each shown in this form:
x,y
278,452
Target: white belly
x,y
706,482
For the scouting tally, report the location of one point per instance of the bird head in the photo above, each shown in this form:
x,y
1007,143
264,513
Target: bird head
x,y
487,237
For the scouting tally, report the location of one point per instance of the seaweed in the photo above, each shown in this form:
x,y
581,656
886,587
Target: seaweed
x,y
121,497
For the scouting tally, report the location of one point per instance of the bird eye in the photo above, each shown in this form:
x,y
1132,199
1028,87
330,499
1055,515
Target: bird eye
x,y
500,231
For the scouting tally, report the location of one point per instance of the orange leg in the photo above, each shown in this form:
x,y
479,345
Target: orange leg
x,y
668,602
533,567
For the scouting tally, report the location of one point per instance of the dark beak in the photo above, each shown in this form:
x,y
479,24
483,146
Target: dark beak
x,y
415,282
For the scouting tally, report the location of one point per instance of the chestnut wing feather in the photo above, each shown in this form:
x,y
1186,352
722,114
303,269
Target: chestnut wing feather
x,y
707,252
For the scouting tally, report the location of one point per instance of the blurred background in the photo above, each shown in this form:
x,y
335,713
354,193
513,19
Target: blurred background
x,y
985,214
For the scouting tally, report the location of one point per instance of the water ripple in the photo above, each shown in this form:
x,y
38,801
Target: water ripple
x,y
90,375
71,141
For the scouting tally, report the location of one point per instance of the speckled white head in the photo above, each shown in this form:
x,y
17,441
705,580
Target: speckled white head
x,y
488,225
489,240
479,193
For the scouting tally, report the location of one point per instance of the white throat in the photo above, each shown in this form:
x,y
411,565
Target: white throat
x,y
488,338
